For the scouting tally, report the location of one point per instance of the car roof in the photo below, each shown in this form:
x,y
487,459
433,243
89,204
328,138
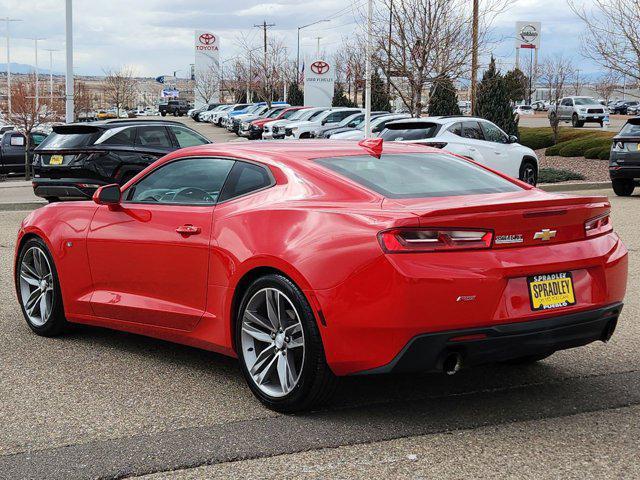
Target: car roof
x,y
112,123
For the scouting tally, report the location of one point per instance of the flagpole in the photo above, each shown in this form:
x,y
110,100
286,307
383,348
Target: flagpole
x,y
367,98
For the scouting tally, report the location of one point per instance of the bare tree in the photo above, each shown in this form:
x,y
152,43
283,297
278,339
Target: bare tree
x,y
120,87
612,37
82,99
418,40
207,85
24,114
607,85
555,73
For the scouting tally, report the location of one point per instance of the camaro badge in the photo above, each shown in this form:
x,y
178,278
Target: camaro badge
x,y
502,239
545,235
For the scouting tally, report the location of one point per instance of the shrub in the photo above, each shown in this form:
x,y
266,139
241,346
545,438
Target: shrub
x,y
605,153
542,137
555,175
579,146
598,153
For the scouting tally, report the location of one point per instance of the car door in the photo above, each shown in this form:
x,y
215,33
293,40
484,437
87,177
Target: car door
x,y
153,142
455,141
500,154
566,108
149,255
13,147
474,140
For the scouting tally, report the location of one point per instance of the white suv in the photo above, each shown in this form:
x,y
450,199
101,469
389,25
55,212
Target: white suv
x,y
276,129
304,128
474,138
377,125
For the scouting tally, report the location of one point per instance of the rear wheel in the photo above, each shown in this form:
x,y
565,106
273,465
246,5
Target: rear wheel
x,y
279,347
623,187
39,289
529,172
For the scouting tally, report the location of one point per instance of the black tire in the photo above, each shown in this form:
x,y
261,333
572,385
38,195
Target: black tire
x,y
52,199
164,114
601,123
575,122
528,359
317,382
56,323
529,172
623,187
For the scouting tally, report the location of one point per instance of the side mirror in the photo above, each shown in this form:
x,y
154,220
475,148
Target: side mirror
x,y
108,195
513,139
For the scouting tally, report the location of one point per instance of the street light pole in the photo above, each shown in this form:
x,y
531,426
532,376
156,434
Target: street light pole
x,y
8,20
35,41
367,96
51,50
474,55
69,106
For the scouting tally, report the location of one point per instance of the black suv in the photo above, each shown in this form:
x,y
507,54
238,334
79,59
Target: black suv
x,y
76,159
624,160
177,108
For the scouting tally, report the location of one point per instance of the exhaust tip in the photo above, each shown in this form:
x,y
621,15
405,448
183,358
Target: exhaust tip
x,y
452,363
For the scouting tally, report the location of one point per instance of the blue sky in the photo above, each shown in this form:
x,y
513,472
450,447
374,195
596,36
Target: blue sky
x,y
156,36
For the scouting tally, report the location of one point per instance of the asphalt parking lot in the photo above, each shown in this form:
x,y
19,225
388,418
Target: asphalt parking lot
x,y
102,404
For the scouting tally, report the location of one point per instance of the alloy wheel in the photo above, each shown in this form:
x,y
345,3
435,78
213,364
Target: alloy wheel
x,y
529,175
273,342
36,286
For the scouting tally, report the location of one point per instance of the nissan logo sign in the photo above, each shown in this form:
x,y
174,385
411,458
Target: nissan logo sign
x,y
528,33
320,67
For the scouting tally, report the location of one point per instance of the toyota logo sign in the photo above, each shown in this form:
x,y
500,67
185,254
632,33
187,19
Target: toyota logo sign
x,y
207,38
320,67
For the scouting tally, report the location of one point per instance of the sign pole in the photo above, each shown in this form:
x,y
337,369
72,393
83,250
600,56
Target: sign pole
x,y
68,80
367,97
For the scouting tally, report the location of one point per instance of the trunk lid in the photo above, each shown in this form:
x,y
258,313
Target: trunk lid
x,y
517,219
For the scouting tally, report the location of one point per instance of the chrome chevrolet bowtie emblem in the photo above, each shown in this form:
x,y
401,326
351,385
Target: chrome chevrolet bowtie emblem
x,y
545,235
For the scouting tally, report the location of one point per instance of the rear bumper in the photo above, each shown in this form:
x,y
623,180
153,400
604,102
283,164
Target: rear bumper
x,y
497,343
65,187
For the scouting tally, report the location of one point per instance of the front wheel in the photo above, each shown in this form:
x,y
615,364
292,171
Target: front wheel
x,y
164,114
623,187
575,122
279,347
39,289
529,173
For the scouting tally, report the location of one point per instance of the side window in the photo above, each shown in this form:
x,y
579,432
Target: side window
x,y
245,178
472,130
493,134
567,102
153,137
456,129
187,138
37,139
17,140
115,137
192,181
380,126
342,115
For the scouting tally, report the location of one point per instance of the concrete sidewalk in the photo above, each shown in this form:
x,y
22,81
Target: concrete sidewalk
x,y
18,195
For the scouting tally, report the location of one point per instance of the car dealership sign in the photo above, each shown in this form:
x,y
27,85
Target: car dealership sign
x,y
319,81
206,68
528,34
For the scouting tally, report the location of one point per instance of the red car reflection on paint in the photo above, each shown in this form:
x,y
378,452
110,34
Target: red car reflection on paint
x,y
316,259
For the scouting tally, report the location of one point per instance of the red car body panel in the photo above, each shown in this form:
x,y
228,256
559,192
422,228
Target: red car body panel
x,y
125,267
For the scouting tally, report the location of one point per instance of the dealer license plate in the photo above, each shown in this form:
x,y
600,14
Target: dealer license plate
x,y
56,160
554,290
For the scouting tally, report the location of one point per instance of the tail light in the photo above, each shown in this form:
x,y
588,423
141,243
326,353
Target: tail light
x,y
407,240
598,225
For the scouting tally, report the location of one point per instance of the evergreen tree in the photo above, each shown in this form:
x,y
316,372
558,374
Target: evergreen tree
x,y
517,84
380,101
443,99
295,97
492,100
340,98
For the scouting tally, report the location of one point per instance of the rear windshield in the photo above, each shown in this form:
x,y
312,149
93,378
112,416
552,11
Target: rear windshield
x,y
418,175
631,129
69,140
409,131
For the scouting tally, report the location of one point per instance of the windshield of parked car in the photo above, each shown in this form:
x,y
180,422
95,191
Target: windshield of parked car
x,y
292,114
525,107
311,115
418,175
585,101
409,131
351,120
631,129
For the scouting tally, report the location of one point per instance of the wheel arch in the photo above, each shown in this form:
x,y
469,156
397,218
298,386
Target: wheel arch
x,y
257,271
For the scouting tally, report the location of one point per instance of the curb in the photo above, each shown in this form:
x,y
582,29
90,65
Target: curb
x,y
7,207
571,187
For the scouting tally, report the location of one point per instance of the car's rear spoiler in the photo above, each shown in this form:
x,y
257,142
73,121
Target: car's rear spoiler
x,y
75,129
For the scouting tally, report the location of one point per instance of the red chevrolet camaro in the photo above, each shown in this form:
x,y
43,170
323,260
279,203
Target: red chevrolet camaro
x,y
317,259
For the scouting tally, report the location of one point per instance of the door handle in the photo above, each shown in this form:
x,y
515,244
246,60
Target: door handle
x,y
188,229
